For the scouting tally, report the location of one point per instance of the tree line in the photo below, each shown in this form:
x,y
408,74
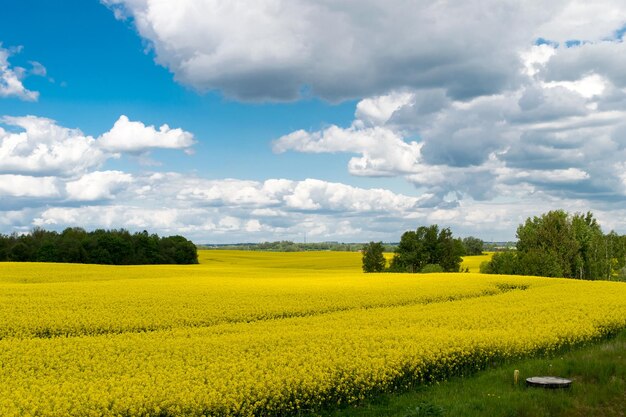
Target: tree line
x,y
290,246
113,247
427,249
560,244
555,244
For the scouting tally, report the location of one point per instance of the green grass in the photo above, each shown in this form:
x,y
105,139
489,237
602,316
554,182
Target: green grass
x,y
599,389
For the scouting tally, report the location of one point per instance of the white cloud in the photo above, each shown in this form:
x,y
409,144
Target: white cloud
x,y
384,152
551,176
11,79
37,68
536,57
605,59
135,137
110,216
558,133
521,121
98,185
45,148
42,147
263,198
26,186
233,192
253,226
314,194
376,111
269,212
324,211
16,220
584,20
275,49
275,209
457,98
588,87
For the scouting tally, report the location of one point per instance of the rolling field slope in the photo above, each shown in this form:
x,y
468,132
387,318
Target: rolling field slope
x,y
253,333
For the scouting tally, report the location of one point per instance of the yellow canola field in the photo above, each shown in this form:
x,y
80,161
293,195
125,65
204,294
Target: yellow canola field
x,y
343,334
227,287
473,262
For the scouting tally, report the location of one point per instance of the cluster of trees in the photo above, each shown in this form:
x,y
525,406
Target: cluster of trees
x,y
289,246
427,249
115,247
473,246
558,244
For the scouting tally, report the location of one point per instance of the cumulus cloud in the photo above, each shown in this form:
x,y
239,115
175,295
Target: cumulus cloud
x,y
211,211
276,49
231,192
285,209
313,194
270,209
92,187
11,79
27,186
306,195
98,185
522,101
383,151
42,147
110,216
376,111
584,21
558,134
135,137
494,111
45,148
568,175
601,59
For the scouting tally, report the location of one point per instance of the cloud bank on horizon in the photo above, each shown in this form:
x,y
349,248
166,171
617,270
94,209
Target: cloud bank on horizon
x,y
492,110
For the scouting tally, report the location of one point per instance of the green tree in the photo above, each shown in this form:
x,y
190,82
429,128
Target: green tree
x,y
473,245
550,240
503,263
410,255
539,262
427,245
75,245
590,262
558,244
20,252
449,251
373,258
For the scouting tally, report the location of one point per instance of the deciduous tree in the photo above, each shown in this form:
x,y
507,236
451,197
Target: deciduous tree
x,y
427,245
373,257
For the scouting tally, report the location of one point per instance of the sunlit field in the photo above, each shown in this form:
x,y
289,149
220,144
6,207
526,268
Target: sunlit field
x,y
473,262
257,333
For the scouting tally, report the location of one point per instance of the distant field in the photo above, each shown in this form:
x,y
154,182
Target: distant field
x,y
473,262
248,333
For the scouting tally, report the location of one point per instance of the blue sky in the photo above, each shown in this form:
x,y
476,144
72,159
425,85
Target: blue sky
x,y
346,121
100,70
